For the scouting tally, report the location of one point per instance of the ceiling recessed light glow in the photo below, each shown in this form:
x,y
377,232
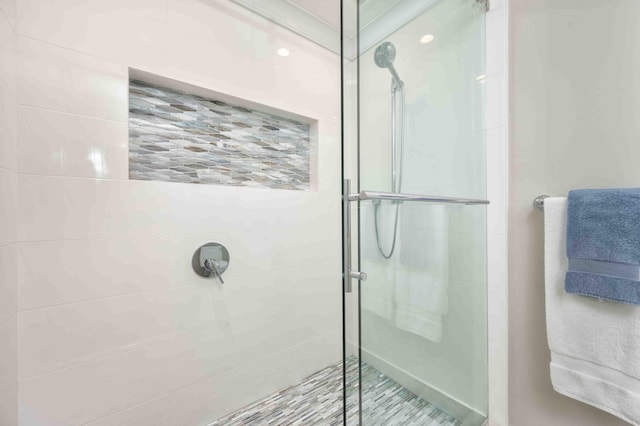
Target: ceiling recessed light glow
x,y
427,38
283,51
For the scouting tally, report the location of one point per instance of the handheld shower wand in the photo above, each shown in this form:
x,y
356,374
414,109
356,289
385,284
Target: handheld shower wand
x,y
384,56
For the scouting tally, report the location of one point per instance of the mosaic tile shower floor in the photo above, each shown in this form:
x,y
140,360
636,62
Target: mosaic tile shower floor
x,y
317,400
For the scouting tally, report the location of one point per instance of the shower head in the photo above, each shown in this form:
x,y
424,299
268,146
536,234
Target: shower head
x,y
384,57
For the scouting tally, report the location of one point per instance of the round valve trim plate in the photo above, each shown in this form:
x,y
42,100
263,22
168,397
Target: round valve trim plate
x,y
211,251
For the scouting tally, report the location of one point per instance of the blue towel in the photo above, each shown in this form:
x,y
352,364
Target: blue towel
x,y
603,244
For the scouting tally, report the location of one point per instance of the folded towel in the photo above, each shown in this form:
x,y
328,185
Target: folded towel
x,y
594,346
377,295
603,244
410,289
422,275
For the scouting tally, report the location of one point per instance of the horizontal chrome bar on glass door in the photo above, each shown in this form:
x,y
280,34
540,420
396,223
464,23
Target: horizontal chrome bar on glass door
x,y
375,195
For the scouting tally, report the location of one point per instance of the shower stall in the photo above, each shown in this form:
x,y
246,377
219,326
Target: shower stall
x,y
245,213
417,326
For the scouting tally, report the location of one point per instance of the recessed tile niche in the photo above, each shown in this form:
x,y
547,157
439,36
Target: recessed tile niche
x,y
176,136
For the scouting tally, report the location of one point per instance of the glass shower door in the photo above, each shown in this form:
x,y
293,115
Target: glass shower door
x,y
415,302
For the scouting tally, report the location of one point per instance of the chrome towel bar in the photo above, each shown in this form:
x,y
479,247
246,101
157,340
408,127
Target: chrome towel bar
x,y
375,195
538,202
347,273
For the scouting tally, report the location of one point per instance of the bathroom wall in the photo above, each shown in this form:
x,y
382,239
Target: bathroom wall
x,y
455,147
8,219
113,325
497,60
575,104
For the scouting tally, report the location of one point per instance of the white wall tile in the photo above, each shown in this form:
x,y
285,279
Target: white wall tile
x,y
8,282
497,173
131,378
8,133
498,383
210,20
104,29
80,270
497,306
497,261
223,327
83,84
8,354
454,161
225,68
496,211
496,36
9,9
8,44
8,372
286,246
8,217
307,73
198,356
55,143
9,404
114,273
96,389
212,398
312,301
496,161
152,413
470,267
8,92
8,213
465,330
154,9
297,83
229,345
496,105
88,208
66,335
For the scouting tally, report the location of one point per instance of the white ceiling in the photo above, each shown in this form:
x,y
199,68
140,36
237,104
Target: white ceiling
x,y
319,20
327,11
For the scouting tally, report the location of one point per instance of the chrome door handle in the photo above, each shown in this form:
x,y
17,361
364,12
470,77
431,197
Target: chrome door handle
x,y
360,276
347,273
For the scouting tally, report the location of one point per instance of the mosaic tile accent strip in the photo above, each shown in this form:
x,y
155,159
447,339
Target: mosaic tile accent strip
x,y
317,400
180,137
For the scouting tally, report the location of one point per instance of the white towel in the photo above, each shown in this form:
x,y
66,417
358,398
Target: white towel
x,y
595,346
422,274
410,289
377,292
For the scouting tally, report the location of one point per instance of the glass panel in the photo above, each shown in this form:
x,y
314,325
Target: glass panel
x,y
423,307
350,162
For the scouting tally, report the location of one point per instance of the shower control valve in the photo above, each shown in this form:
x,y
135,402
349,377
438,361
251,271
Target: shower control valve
x,y
212,266
210,259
